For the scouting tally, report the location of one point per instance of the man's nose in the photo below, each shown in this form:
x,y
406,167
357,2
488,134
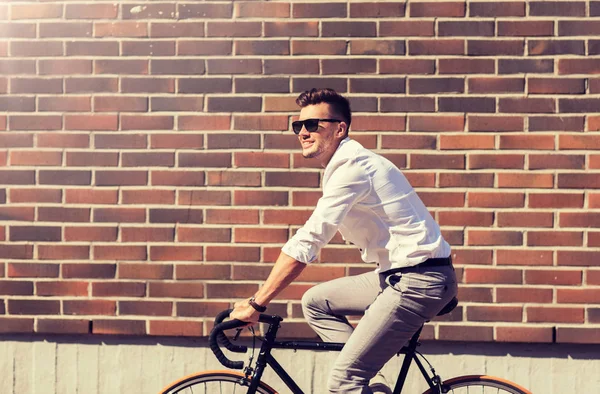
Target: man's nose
x,y
303,132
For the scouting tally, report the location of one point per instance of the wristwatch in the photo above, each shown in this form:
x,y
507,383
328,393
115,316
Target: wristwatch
x,y
253,304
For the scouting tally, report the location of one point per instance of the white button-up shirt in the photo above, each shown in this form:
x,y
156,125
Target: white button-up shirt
x,y
368,199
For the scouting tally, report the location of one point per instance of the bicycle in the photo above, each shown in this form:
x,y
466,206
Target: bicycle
x,y
249,382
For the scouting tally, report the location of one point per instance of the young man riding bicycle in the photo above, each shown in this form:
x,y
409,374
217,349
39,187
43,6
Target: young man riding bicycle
x,y
369,201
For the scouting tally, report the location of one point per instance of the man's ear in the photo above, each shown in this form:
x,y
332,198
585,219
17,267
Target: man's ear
x,y
342,130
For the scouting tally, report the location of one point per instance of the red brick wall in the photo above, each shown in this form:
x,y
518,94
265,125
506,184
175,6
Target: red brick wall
x,y
149,176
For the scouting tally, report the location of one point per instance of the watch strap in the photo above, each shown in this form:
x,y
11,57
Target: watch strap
x,y
253,304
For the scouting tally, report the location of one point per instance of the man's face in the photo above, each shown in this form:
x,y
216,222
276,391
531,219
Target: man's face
x,y
322,143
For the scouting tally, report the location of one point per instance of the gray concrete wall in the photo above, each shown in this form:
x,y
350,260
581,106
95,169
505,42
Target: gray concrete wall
x,y
67,365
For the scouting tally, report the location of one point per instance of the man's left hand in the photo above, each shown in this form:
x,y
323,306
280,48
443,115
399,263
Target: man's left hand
x,y
243,311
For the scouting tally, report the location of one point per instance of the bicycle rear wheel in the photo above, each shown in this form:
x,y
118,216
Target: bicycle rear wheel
x,y
215,382
480,384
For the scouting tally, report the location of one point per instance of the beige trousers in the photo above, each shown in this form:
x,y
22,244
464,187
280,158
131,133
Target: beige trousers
x,y
394,309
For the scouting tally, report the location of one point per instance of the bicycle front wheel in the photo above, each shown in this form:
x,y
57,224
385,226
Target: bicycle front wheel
x,y
480,384
215,382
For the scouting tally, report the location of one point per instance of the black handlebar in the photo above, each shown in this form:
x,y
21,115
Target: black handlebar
x,y
217,336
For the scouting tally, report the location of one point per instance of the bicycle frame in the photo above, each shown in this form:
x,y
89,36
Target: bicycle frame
x,y
266,359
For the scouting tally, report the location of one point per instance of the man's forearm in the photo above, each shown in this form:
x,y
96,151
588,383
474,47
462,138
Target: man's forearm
x,y
286,269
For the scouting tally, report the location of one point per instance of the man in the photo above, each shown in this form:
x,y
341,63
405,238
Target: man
x,y
369,201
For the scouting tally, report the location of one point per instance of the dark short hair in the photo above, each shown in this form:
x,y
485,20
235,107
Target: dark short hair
x,y
316,96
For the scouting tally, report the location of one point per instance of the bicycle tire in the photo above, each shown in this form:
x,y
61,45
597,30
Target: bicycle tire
x,y
462,384
214,382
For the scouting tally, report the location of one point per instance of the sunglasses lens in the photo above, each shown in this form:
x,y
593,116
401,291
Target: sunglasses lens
x,y
297,126
311,125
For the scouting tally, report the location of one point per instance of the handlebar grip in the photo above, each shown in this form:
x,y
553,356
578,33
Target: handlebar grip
x,y
214,346
222,338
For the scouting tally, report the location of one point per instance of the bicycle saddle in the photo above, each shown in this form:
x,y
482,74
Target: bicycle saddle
x,y
449,307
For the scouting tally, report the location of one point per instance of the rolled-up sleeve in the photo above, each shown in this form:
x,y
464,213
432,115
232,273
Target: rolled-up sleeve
x,y
348,183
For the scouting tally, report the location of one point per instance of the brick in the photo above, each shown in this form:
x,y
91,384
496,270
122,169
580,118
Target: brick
x,y
147,159
261,10
487,237
181,104
573,181
467,104
148,11
465,218
523,257
107,122
435,85
203,271
555,315
443,199
496,85
151,234
64,66
465,333
17,30
484,161
495,123
38,11
526,28
407,104
17,67
120,104
176,328
243,47
204,197
377,10
121,178
406,28
526,105
63,326
493,275
177,178
35,195
35,233
232,253
118,327
557,8
519,66
148,197
63,214
179,253
553,277
525,334
121,66
556,123
280,104
78,270
348,29
292,179
16,325
147,85
260,235
65,104
177,66
31,270
118,288
475,294
357,47
12,288
256,197
18,213
176,290
495,313
377,85
532,142
65,29
145,271
588,142
406,66
91,85
90,234
36,85
492,200
204,234
35,158
178,29
577,296
235,29
203,11
466,66
204,122
145,308
468,29
227,178
495,47
90,196
233,141
232,216
442,9
436,123
516,180
120,29
408,142
311,66
577,258
525,219
503,9
170,215
204,47
17,104
261,85
92,48
33,307
556,238
120,215
201,309
555,47
89,307
62,288
317,10
577,335
234,66
556,200
234,104
35,49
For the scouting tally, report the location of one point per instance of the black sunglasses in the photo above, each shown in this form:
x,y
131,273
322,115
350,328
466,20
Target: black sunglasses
x,y
311,125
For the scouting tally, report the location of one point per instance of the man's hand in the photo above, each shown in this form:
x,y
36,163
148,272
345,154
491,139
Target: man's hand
x,y
243,311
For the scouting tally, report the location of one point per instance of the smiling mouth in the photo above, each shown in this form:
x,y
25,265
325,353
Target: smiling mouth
x,y
306,144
